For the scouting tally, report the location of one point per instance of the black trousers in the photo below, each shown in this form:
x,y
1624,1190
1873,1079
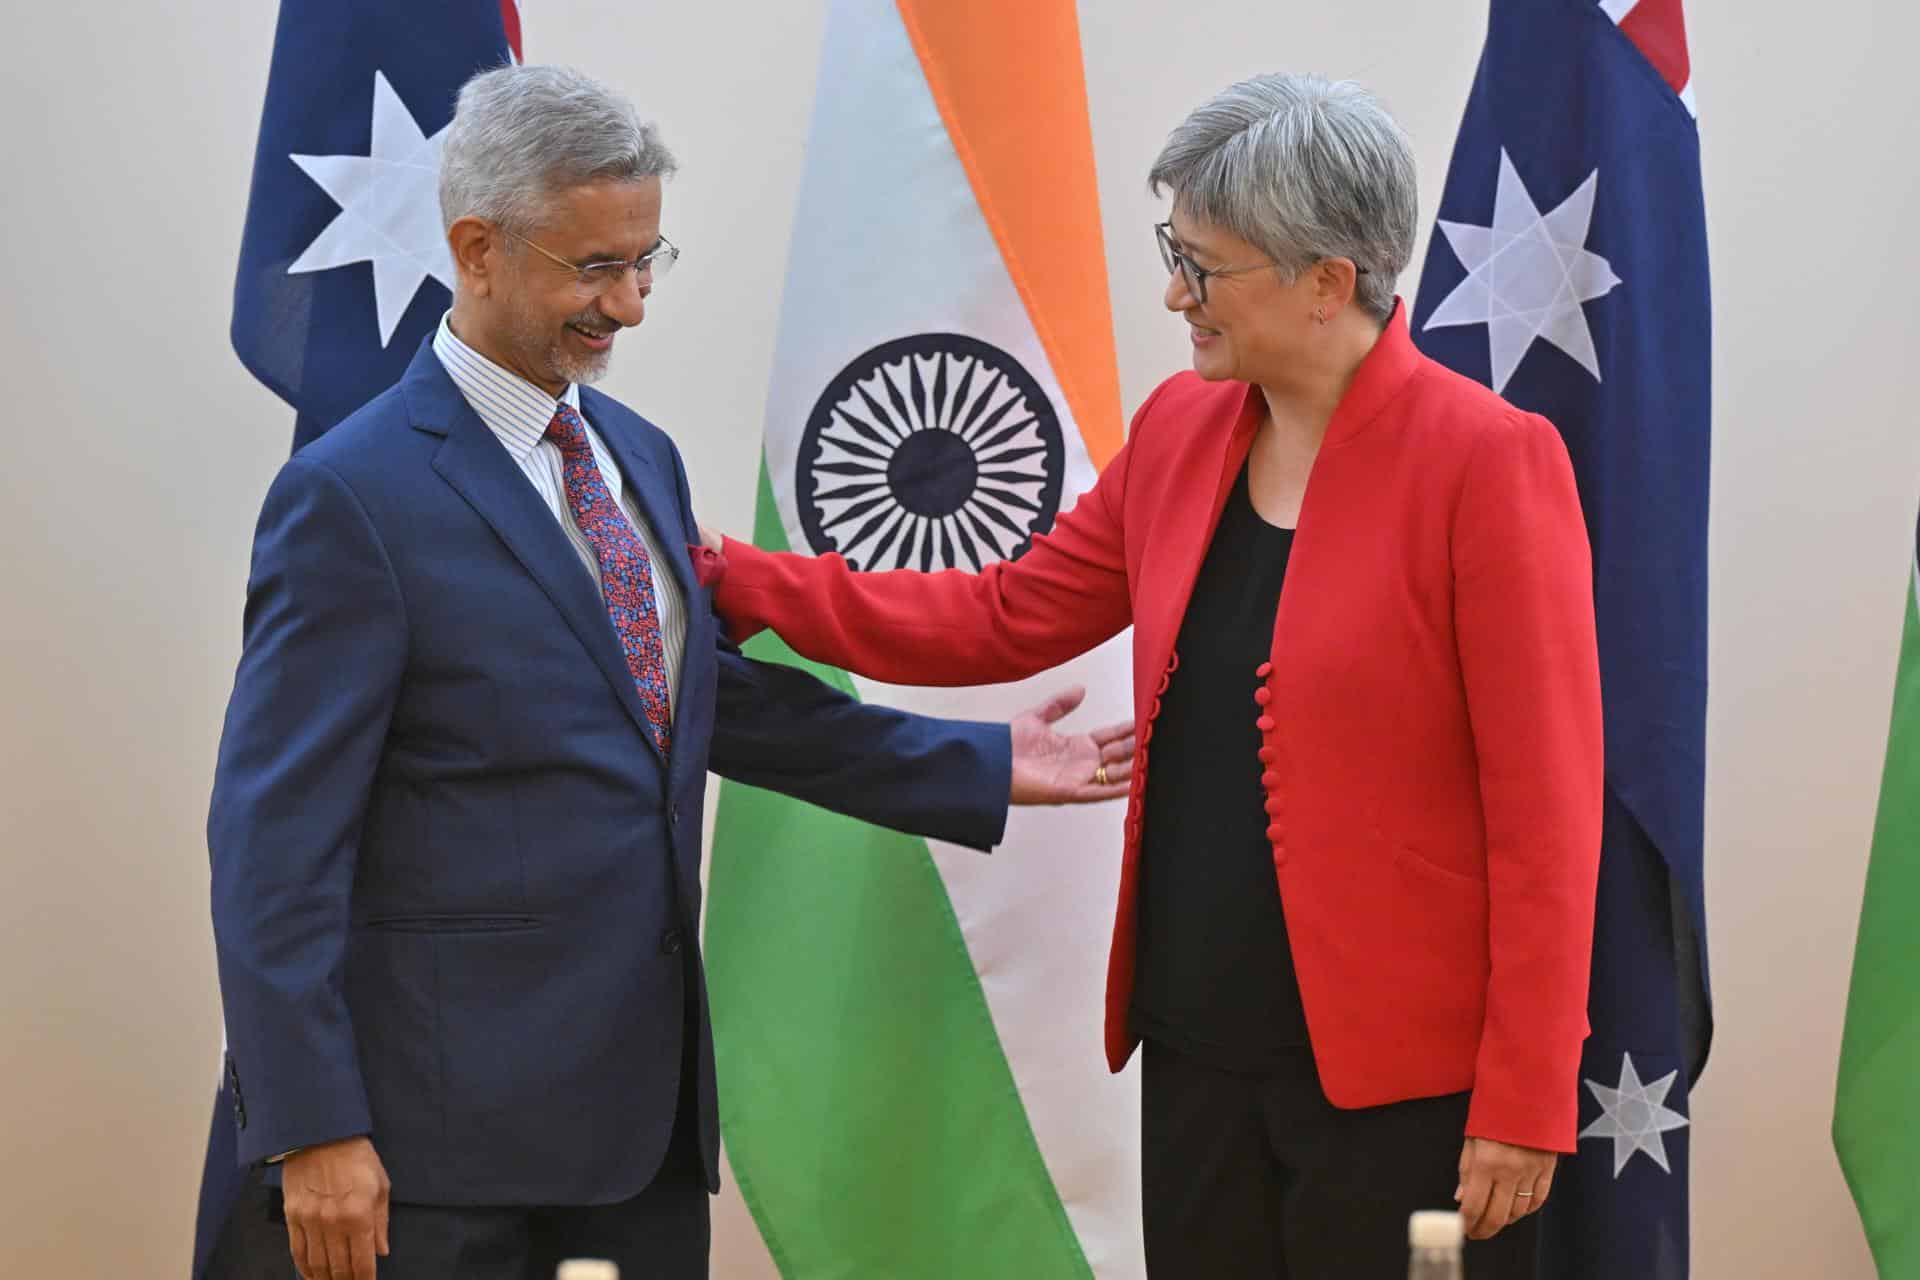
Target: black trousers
x,y
661,1234
1261,1176
664,1233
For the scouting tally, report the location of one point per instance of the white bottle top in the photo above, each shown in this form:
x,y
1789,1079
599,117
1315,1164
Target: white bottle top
x,y
587,1269
1435,1229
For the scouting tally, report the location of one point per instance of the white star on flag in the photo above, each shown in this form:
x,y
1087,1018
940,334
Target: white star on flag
x,y
389,209
1527,275
1634,1115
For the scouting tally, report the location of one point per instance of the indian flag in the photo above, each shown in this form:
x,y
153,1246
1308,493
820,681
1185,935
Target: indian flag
x,y
1876,1121
909,1037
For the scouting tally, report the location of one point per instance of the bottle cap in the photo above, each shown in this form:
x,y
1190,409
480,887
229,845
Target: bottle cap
x,y
1435,1229
587,1269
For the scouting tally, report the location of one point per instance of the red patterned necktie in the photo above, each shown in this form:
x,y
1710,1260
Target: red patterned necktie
x,y
626,574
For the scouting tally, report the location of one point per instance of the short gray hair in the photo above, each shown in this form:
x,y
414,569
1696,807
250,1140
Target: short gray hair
x,y
1302,168
521,135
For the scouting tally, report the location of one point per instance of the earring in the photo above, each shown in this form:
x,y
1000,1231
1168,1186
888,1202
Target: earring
x,y
1319,315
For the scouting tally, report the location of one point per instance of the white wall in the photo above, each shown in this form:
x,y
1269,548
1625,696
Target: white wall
x,y
137,451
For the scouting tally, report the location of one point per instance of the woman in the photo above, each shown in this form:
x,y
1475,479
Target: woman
x,y
1363,831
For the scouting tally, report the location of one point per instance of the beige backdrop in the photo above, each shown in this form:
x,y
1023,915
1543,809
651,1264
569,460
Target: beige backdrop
x,y
137,453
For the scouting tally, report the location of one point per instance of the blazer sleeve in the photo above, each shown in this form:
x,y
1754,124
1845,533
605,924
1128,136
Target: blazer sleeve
x,y
1068,593
1523,600
781,728
323,652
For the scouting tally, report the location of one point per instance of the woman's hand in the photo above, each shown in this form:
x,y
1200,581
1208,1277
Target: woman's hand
x,y
711,540
1501,1184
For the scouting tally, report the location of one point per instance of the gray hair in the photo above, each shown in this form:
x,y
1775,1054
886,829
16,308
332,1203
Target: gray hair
x,y
521,135
1302,168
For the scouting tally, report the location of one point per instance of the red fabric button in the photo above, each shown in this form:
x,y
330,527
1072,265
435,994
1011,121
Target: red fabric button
x,y
1266,755
1264,670
1273,833
1268,778
1265,723
1275,806
1263,695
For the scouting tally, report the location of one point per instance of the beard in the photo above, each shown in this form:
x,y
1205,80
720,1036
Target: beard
x,y
547,350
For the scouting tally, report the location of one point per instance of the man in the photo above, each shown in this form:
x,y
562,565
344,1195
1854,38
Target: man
x,y
455,828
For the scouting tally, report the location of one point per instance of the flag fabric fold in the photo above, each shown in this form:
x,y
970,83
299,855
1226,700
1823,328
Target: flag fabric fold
x,y
343,262
1569,272
1876,1116
908,1034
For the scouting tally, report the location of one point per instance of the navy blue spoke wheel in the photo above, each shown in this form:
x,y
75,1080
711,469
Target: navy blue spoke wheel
x,y
937,451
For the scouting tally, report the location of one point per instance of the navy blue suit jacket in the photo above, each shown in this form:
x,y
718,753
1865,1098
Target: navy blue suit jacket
x,y
455,885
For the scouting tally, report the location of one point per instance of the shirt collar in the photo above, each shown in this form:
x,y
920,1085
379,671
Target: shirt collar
x,y
515,410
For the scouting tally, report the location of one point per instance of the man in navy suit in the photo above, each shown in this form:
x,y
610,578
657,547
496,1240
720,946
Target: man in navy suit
x,y
456,821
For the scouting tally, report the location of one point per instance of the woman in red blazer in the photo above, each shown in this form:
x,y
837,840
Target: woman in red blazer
x,y
1361,846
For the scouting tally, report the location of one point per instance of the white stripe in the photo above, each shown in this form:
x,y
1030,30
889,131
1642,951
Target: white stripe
x,y
517,413
1618,9
1687,100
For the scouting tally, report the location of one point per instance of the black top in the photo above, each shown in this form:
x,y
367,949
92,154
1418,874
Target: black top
x,y
1214,974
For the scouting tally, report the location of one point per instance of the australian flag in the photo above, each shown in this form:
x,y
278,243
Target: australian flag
x,y
1569,272
343,267
343,264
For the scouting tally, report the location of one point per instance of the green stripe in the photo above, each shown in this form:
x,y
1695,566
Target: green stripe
x,y
1876,1123
870,1117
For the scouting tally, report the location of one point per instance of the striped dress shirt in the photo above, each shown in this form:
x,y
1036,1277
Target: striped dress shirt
x,y
517,412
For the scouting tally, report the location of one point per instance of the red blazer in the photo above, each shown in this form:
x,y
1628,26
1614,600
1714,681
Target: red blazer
x,y
1431,711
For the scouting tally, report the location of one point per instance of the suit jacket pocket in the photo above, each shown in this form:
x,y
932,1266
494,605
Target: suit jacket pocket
x,y
454,922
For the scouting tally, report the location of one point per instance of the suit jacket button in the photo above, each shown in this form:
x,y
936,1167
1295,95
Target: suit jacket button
x,y
673,816
1264,670
1262,695
670,942
1265,723
1274,833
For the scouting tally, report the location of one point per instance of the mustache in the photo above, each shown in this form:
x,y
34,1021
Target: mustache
x,y
595,323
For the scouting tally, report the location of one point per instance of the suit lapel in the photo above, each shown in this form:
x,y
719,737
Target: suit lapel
x,y
1195,535
479,468
652,493
657,501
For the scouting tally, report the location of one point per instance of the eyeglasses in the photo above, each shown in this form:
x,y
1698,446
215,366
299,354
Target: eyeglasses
x,y
595,278
1196,275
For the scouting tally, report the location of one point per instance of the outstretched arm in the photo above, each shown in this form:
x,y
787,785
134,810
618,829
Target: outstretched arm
x,y
781,728
1068,593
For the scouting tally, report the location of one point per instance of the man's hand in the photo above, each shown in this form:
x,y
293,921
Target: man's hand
x,y
1053,768
336,1197
1501,1184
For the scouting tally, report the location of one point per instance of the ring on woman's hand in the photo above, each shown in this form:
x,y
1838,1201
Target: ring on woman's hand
x,y
1524,1195
1100,774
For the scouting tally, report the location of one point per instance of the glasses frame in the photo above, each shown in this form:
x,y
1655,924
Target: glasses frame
x,y
588,275
1196,276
